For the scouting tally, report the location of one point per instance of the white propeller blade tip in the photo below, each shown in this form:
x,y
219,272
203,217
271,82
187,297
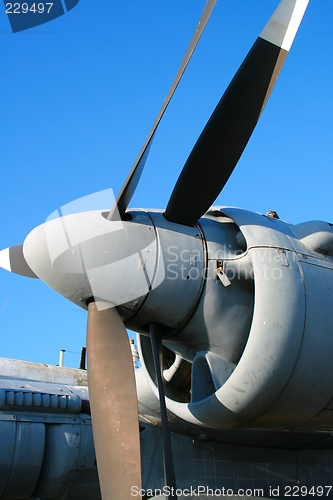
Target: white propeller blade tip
x,y
5,260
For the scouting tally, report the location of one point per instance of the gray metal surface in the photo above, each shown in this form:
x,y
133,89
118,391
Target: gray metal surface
x,y
215,466
27,459
69,454
282,376
65,467
14,369
7,440
230,459
220,322
38,400
179,277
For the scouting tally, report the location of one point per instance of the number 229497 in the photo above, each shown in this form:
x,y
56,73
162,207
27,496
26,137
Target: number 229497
x,y
23,8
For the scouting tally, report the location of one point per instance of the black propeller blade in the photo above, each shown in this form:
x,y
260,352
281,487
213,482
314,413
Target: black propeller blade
x,y
113,400
133,178
169,472
228,130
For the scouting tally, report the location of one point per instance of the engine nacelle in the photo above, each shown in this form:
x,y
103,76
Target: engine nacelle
x,y
281,376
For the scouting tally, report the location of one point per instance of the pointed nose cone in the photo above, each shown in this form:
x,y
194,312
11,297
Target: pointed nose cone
x,y
42,249
85,256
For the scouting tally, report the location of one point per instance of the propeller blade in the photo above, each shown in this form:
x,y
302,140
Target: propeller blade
x,y
133,178
169,471
228,130
113,400
12,259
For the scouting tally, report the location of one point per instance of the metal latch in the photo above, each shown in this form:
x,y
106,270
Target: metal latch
x,y
221,274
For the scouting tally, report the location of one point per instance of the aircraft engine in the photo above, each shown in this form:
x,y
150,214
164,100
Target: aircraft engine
x,y
232,296
253,350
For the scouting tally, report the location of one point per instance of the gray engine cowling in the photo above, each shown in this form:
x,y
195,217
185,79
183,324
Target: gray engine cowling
x,y
281,376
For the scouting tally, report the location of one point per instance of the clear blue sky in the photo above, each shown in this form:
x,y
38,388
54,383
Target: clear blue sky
x,y
79,96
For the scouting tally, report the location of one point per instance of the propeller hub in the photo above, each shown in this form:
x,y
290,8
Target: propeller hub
x,y
84,255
